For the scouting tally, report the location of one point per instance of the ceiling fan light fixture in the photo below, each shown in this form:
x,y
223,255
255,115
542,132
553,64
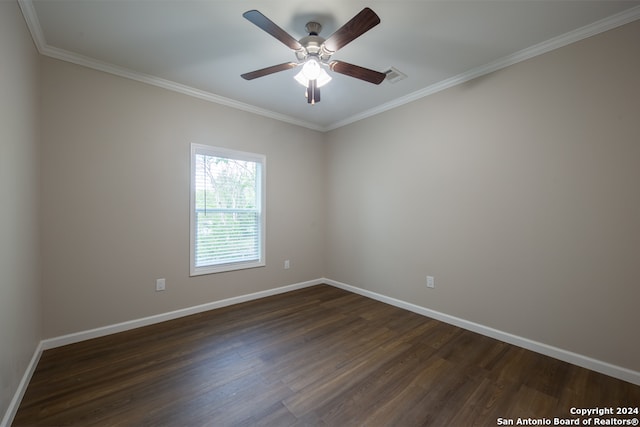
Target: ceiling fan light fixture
x,y
311,69
316,72
300,78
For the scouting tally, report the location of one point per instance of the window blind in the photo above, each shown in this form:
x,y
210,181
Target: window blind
x,y
226,210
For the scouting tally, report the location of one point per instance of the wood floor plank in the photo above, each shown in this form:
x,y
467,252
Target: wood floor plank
x,y
482,407
379,386
318,356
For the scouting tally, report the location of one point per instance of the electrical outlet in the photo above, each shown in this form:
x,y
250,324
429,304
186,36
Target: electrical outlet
x,y
287,264
160,285
431,283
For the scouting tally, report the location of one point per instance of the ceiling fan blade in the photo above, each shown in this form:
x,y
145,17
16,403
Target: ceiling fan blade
x,y
269,70
357,26
267,25
358,72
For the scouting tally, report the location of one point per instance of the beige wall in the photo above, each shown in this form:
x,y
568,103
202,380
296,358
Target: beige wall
x,y
20,310
519,191
116,198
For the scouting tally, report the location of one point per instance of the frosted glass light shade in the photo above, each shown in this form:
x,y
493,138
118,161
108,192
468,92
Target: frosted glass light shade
x,y
322,77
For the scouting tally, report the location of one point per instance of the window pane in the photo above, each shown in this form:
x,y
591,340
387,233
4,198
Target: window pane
x,y
225,183
224,237
226,210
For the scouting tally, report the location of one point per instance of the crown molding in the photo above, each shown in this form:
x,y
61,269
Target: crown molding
x,y
613,21
95,64
33,23
31,18
576,35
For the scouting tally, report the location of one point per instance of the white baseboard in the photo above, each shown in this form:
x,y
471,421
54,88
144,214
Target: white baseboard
x,y
132,324
145,321
557,353
10,414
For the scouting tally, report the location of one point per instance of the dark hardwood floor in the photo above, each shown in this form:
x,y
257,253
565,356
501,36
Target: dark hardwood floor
x,y
316,356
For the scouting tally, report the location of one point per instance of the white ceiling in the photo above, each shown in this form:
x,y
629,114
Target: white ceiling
x,y
201,47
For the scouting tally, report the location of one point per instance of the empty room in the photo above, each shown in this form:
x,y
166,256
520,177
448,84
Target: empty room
x,y
290,213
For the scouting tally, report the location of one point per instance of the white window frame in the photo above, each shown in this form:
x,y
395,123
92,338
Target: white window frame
x,y
261,160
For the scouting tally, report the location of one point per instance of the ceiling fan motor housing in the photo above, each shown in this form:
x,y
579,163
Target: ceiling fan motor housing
x,y
313,44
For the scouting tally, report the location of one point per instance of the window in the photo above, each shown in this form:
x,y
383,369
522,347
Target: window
x,y
227,210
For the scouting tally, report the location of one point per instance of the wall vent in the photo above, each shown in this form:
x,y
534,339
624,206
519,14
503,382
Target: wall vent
x,y
394,75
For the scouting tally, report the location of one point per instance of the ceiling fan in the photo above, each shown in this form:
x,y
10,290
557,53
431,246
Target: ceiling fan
x,y
314,53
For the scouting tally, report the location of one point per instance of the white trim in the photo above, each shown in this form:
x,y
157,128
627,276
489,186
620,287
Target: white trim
x,y
261,161
132,324
548,350
555,352
145,321
613,21
95,64
33,23
31,18
576,35
12,410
